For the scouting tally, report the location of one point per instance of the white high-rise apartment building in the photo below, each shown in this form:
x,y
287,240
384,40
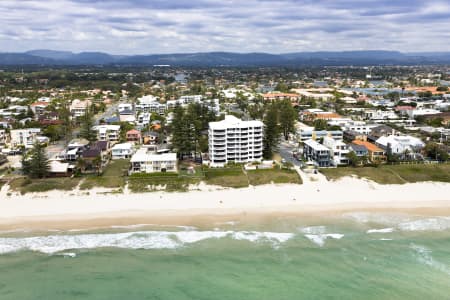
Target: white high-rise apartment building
x,y
234,140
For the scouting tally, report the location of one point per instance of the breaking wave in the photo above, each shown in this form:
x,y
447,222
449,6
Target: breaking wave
x,y
133,240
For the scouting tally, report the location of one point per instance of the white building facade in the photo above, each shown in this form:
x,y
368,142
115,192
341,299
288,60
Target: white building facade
x,y
235,141
146,161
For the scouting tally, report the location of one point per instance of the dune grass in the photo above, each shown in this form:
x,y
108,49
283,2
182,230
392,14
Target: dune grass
x,y
394,174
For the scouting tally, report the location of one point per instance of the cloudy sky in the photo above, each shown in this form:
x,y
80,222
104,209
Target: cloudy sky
x,y
278,26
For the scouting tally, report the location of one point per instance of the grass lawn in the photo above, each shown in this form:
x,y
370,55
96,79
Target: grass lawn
x,y
394,174
112,177
276,175
24,186
233,177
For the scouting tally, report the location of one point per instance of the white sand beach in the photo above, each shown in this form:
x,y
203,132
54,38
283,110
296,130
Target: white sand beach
x,y
314,197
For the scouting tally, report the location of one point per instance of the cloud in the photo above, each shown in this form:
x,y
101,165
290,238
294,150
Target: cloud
x,y
277,26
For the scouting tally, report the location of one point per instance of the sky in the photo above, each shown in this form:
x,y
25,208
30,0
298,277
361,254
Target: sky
x,y
184,26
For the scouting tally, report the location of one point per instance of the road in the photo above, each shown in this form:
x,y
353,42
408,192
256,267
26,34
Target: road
x,y
285,150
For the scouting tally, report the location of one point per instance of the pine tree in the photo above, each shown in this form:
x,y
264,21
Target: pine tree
x,y
287,118
87,124
271,131
38,164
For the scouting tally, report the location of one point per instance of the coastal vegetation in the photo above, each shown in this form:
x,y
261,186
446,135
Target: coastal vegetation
x,y
26,185
394,174
113,176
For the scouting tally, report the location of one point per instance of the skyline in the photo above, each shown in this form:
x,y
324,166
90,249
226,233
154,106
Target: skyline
x,y
283,26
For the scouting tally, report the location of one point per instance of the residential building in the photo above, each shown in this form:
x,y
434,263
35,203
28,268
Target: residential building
x,y
127,115
147,161
134,135
305,134
400,144
75,149
317,153
143,119
150,138
234,140
124,106
24,137
38,108
107,132
281,96
78,107
376,154
359,150
122,151
339,151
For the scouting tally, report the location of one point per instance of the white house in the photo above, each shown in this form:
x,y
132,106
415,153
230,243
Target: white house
x,y
316,152
234,140
124,106
107,132
400,144
146,161
122,151
78,108
339,151
24,137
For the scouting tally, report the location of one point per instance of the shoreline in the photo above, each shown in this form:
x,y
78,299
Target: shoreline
x,y
76,210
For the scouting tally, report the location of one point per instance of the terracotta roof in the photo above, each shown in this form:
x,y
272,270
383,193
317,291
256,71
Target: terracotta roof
x,y
371,147
133,131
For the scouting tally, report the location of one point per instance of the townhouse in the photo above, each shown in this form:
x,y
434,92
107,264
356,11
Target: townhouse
x,y
318,153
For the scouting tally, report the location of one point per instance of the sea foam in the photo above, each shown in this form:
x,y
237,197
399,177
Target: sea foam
x,y
429,224
133,240
384,230
319,239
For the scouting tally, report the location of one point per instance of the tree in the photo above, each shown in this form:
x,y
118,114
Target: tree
x,y
64,115
35,163
287,117
81,164
320,124
271,131
87,124
436,151
353,159
97,163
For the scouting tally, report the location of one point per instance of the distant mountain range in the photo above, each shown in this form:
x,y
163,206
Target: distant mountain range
x,y
214,59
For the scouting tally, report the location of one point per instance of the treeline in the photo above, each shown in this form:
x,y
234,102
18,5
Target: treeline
x,y
189,129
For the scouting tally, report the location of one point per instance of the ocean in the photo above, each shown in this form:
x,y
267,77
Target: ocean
x,y
360,255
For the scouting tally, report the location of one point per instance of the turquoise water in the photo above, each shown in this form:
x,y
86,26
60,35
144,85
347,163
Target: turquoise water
x,y
353,256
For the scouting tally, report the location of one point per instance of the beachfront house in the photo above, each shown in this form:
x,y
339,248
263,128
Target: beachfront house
x,y
339,151
404,145
147,161
122,151
75,148
376,154
235,141
318,153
